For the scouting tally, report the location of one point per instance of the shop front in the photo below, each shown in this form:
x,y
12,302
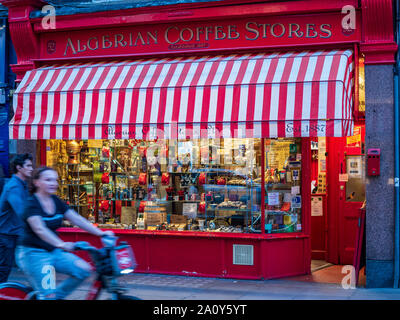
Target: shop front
x,y
194,140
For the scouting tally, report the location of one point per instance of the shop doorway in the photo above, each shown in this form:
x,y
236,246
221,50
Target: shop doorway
x,y
351,196
338,192
319,197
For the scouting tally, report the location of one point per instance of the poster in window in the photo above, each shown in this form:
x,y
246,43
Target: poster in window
x,y
354,167
189,210
296,202
273,198
316,207
355,139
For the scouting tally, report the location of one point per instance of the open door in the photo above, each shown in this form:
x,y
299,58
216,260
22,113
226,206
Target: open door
x,y
352,196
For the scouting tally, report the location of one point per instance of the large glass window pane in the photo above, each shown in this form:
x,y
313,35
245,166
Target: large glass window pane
x,y
282,185
199,185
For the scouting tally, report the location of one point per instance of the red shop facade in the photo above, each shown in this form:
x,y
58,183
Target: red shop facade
x,y
219,139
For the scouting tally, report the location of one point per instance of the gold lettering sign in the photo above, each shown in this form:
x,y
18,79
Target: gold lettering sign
x,y
197,36
107,41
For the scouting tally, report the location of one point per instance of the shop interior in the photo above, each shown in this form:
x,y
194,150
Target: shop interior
x,y
211,185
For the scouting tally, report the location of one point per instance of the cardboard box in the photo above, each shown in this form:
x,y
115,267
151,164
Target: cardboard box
x,y
128,215
178,219
154,218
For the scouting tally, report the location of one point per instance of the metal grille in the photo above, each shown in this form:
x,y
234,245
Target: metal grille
x,y
243,254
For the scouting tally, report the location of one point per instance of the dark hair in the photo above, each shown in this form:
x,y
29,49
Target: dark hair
x,y
19,160
36,176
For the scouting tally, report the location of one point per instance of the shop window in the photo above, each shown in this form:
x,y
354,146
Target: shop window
x,y
282,185
211,185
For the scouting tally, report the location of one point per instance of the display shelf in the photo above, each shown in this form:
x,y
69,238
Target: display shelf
x,y
244,184
124,174
229,209
70,190
277,212
113,199
222,172
229,186
182,201
75,184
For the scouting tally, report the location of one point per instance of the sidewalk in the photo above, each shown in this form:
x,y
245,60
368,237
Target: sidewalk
x,y
167,287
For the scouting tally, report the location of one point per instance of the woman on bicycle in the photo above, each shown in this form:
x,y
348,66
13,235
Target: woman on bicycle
x,y
41,252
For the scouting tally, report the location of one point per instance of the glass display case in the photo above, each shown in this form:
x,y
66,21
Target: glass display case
x,y
75,177
211,185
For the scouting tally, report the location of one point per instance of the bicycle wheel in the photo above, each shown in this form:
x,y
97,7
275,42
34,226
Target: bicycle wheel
x,y
14,291
124,297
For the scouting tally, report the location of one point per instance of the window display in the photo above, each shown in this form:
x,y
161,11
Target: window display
x,y
282,185
211,185
205,185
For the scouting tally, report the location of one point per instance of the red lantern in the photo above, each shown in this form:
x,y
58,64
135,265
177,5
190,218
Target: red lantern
x,y
170,193
202,207
181,194
105,178
105,152
202,178
165,179
142,178
221,181
104,206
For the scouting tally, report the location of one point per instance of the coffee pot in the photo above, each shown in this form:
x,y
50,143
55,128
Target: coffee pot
x,y
73,149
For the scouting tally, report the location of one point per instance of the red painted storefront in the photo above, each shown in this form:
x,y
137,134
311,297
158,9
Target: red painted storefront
x,y
227,27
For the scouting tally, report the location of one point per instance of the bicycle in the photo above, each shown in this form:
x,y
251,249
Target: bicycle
x,y
110,262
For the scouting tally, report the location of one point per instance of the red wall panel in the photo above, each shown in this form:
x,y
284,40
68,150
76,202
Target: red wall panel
x,y
191,254
284,258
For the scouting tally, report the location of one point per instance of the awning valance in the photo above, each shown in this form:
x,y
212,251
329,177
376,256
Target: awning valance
x,y
295,94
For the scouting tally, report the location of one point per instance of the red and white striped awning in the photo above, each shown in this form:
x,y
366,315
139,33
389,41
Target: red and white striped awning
x,y
295,94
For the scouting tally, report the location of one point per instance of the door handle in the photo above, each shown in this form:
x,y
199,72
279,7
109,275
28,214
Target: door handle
x,y
341,192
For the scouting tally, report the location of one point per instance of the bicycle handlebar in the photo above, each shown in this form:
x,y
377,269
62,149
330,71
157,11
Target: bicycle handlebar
x,y
108,241
83,245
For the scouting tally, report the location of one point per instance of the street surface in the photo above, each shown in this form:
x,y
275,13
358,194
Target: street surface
x,y
168,287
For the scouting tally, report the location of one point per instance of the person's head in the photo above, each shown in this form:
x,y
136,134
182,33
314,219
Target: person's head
x,y
44,180
22,165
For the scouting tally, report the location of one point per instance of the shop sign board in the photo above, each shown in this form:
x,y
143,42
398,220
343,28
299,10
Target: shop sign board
x,y
242,33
